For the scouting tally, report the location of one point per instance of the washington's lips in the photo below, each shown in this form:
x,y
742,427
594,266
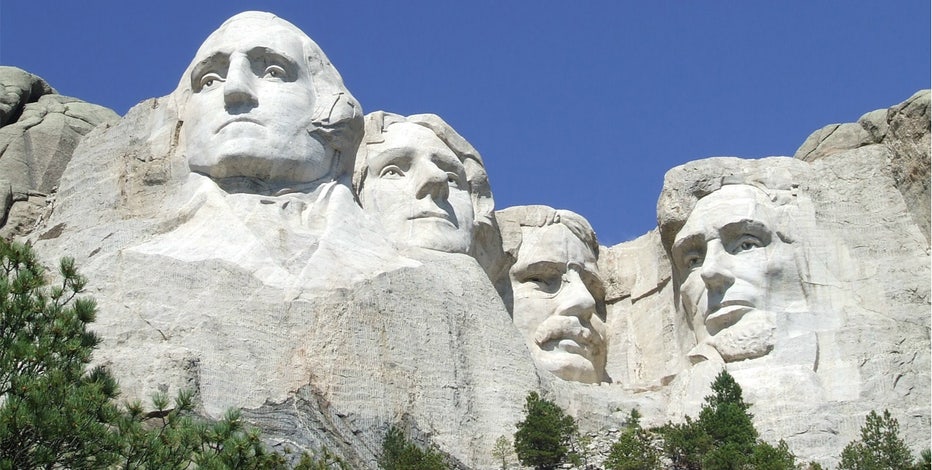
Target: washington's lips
x,y
437,215
727,313
239,119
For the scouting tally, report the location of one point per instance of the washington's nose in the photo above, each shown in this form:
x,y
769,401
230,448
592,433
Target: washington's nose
x,y
238,89
716,267
575,298
432,181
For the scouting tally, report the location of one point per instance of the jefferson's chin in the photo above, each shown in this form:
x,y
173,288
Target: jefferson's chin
x,y
751,337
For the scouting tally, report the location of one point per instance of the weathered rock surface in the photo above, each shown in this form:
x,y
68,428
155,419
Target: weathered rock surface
x,y
300,310
903,128
39,130
325,334
863,269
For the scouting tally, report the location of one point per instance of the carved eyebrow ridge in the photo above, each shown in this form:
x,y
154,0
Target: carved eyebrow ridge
x,y
217,60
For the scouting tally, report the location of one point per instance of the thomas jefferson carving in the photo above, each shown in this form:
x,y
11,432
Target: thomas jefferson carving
x,y
423,183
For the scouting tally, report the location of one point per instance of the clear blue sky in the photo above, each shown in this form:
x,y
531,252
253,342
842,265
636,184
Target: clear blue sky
x,y
581,105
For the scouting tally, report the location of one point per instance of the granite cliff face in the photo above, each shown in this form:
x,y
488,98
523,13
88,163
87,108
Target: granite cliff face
x,y
39,130
287,299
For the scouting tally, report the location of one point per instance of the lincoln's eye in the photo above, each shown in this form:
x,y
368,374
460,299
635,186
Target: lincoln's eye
x,y
748,242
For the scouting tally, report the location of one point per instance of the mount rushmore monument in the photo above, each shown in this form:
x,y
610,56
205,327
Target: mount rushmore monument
x,y
257,237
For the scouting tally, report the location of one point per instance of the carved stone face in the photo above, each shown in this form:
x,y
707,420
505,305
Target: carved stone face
x,y
416,188
730,258
557,300
251,105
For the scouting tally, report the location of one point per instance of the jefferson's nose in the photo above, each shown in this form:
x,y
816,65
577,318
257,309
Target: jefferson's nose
x,y
575,298
432,181
238,89
716,267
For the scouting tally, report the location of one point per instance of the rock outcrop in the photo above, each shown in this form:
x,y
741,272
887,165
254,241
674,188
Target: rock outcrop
x,y
39,130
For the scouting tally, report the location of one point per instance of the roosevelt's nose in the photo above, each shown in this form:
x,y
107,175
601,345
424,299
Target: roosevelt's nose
x,y
716,267
239,87
575,298
431,181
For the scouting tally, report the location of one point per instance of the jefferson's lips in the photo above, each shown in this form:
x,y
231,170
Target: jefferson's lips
x,y
239,119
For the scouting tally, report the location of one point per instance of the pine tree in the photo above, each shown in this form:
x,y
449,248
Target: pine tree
x,y
398,453
634,449
880,446
502,450
54,413
723,437
543,436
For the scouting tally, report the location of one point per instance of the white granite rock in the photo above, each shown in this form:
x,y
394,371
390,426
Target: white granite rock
x,y
279,296
256,279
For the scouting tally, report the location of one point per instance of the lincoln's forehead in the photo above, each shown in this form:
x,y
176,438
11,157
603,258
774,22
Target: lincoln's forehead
x,y
731,203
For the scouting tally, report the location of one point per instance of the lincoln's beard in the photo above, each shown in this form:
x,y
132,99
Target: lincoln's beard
x,y
751,337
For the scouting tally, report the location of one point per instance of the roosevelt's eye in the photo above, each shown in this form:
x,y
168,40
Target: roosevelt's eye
x,y
391,171
547,283
274,71
208,80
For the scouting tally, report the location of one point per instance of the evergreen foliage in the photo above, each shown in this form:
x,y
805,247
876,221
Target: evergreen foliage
x,y
398,453
880,446
543,436
723,437
634,449
54,413
502,450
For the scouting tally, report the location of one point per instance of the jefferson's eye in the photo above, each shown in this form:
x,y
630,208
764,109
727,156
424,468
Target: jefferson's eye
x,y
692,261
274,71
391,171
208,80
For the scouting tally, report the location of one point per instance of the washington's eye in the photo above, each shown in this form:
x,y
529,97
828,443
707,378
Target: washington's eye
x,y
274,71
391,171
453,178
208,80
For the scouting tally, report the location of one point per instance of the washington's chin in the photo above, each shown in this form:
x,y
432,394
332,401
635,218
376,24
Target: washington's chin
x,y
244,162
569,366
437,235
